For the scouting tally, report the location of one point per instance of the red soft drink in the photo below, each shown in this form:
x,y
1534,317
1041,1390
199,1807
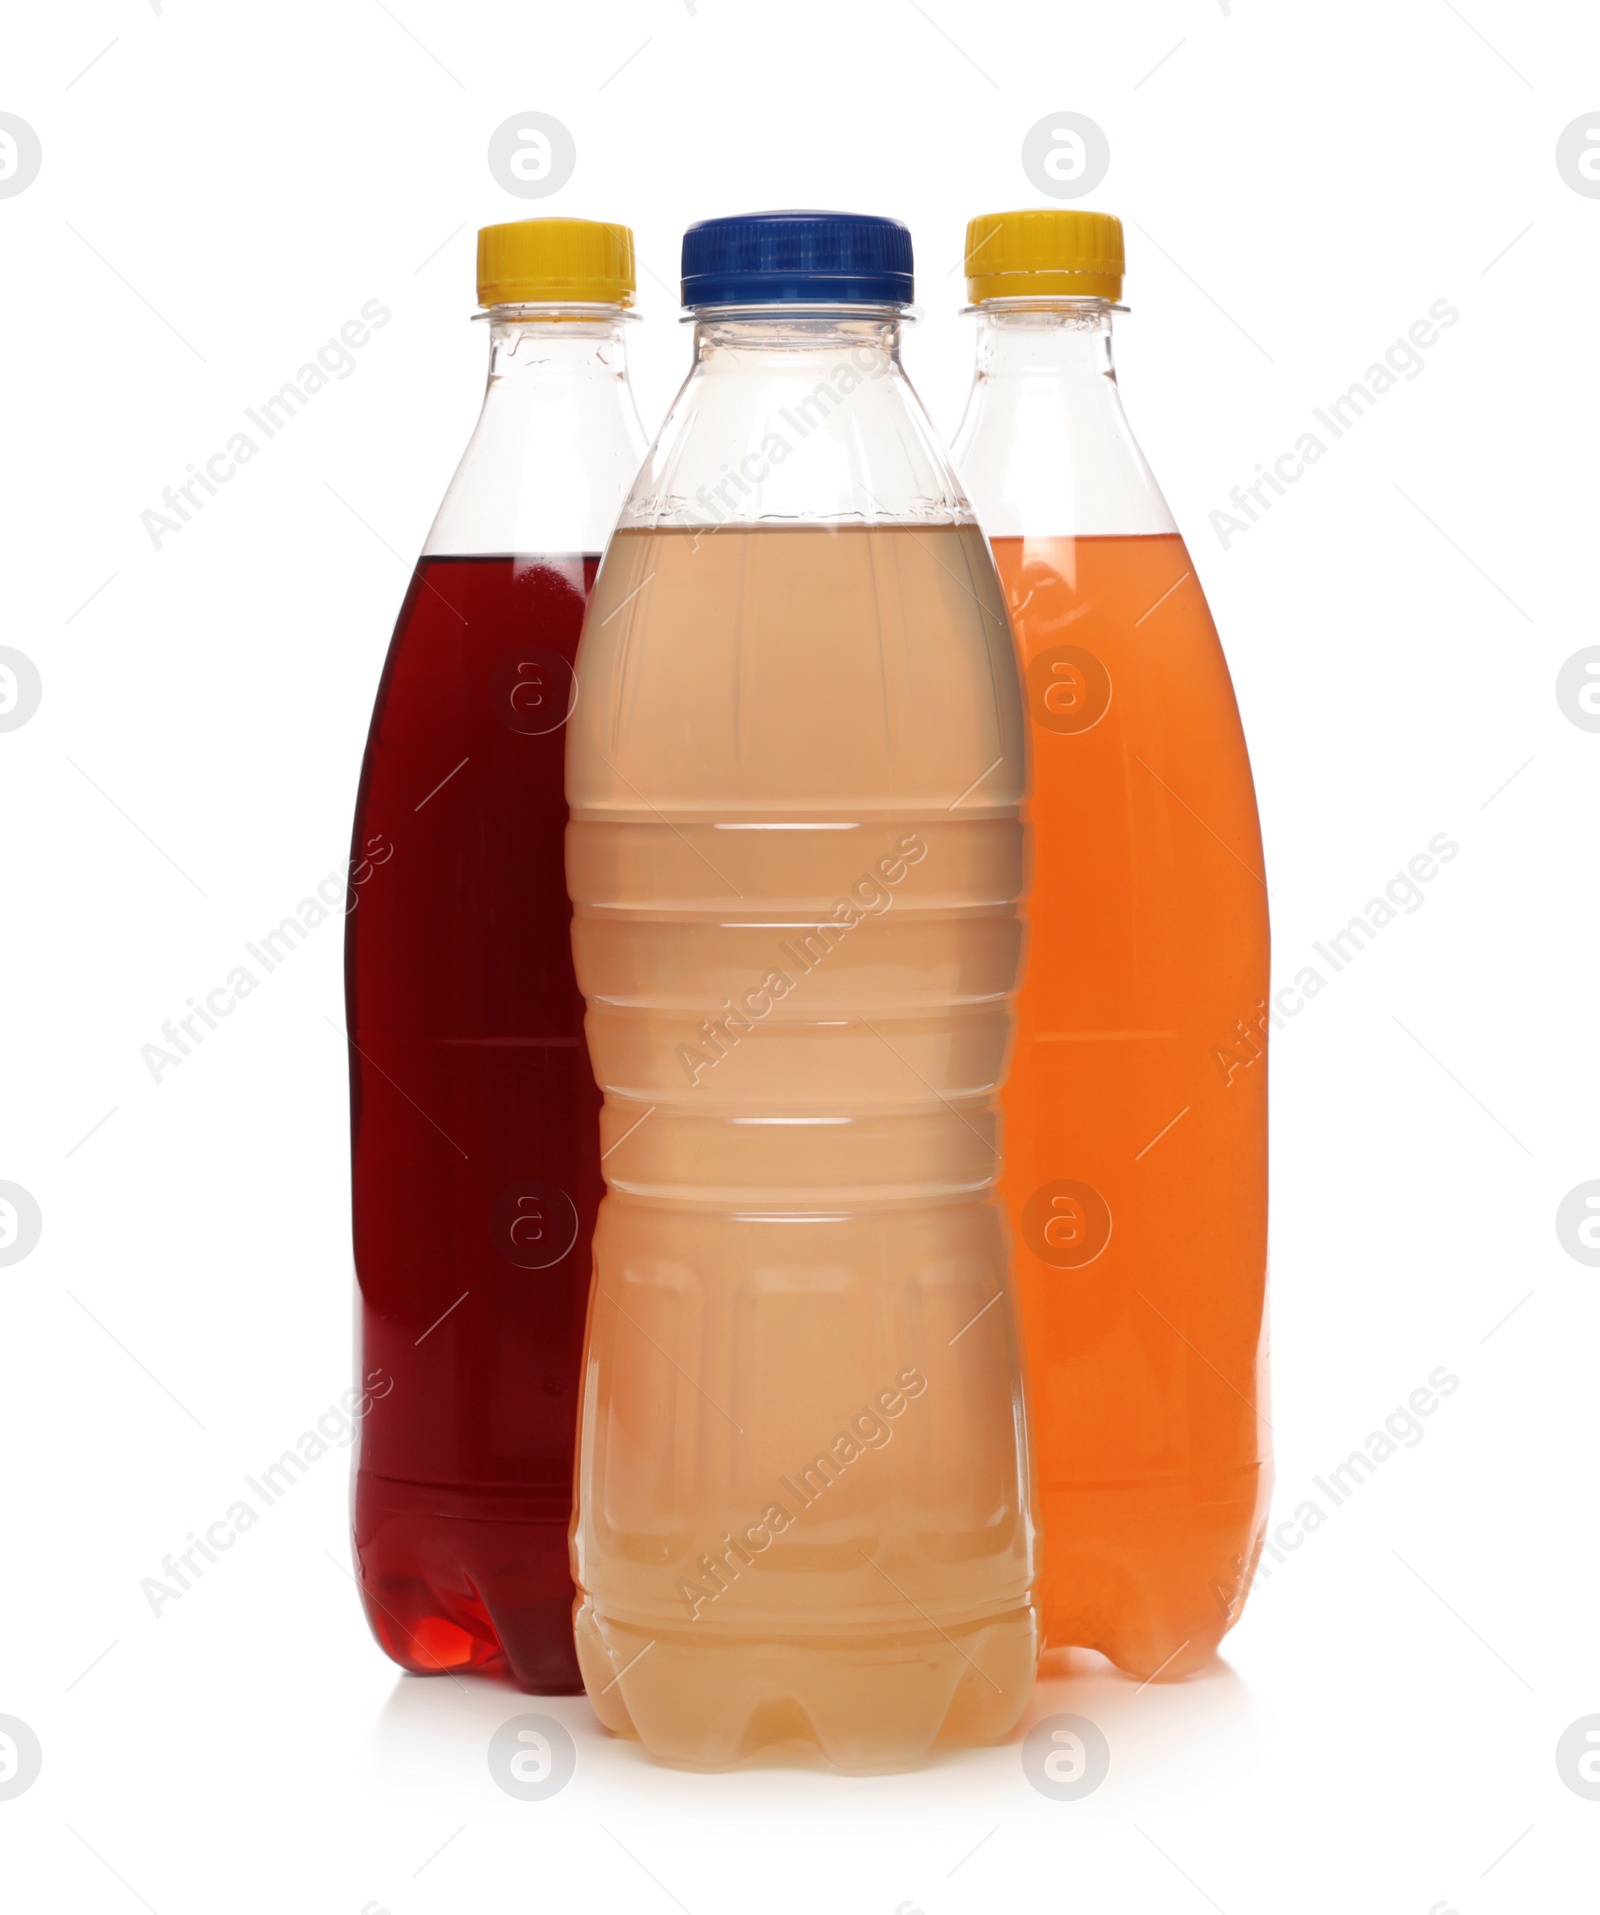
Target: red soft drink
x,y
475,1117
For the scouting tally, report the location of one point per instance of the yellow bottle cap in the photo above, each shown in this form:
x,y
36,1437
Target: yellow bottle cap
x,y
537,261
1048,252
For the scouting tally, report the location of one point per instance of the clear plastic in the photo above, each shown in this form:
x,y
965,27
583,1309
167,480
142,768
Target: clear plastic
x,y
796,415
795,771
1044,445
557,443
1135,1111
475,1120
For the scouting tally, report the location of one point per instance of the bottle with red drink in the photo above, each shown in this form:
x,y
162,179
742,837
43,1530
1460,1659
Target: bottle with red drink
x,y
474,1113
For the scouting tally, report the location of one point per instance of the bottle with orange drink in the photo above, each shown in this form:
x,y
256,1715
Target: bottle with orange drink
x,y
1135,1115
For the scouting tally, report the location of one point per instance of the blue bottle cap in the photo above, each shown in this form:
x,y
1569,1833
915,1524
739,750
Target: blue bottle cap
x,y
797,258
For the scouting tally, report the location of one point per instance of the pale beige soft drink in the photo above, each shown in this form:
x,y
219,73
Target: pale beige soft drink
x,y
795,858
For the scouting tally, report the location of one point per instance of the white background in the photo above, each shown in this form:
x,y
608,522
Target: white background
x,y
221,190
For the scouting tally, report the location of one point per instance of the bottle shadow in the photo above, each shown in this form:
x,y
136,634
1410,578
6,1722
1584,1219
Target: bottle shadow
x,y
1165,1743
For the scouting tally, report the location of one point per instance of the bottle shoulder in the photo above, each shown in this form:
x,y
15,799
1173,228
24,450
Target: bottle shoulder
x,y
1056,458
833,436
545,470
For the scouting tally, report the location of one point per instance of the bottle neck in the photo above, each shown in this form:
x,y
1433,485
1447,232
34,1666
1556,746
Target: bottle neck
x,y
796,415
1045,448
724,336
557,442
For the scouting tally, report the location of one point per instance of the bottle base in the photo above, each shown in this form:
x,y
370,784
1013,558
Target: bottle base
x,y
1151,1575
870,1703
452,1580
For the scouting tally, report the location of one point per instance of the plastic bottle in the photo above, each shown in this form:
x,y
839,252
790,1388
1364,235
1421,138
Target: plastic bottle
x,y
1136,1109
474,1114
795,853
